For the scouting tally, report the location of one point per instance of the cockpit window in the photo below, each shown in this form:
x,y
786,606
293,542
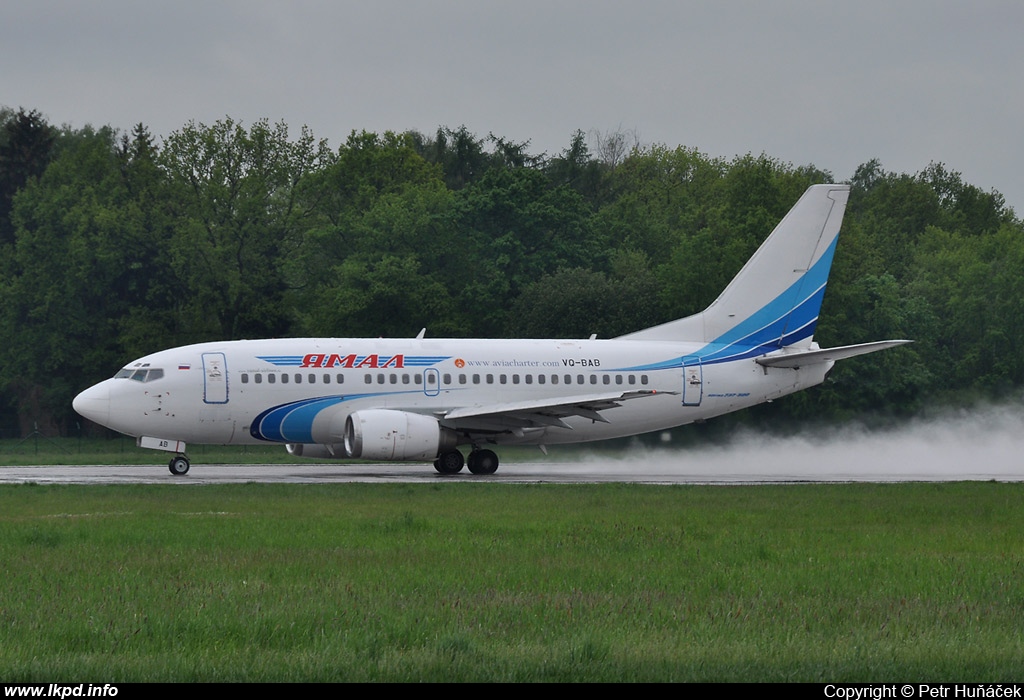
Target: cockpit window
x,y
140,375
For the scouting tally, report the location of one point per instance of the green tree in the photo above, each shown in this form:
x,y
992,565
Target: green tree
x,y
519,229
238,214
388,296
381,209
26,143
576,303
576,168
77,270
460,154
661,197
974,288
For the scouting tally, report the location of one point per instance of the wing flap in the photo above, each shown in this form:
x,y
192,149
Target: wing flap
x,y
542,412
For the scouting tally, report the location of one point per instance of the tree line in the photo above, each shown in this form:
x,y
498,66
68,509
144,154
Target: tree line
x,y
114,245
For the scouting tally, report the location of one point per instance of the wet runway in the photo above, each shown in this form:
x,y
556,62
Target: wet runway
x,y
592,472
333,473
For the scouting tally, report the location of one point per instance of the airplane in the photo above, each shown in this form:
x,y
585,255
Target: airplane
x,y
419,399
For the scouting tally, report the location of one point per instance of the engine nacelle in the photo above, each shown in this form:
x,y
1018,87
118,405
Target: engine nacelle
x,y
386,434
312,451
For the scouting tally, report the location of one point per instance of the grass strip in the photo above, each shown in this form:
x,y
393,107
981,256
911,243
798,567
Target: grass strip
x,y
495,582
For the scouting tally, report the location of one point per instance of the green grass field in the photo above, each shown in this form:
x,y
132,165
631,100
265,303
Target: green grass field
x,y
484,581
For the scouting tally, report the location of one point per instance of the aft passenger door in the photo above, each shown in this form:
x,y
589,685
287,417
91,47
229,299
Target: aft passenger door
x,y
693,385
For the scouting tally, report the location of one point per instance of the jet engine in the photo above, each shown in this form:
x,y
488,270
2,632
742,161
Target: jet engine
x,y
387,434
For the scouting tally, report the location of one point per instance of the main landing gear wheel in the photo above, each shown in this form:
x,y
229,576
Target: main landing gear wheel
x,y
179,465
449,462
483,462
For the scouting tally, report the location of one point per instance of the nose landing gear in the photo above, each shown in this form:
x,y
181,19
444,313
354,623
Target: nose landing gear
x,y
179,465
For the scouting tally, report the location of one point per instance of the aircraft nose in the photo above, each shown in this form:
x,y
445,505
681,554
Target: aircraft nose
x,y
94,403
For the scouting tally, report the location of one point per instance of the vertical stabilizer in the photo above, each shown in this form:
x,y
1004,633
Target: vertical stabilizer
x,y
775,299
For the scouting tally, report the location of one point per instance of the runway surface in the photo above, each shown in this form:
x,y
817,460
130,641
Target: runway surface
x,y
522,473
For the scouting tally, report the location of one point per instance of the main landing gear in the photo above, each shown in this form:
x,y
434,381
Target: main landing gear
x,y
481,462
179,465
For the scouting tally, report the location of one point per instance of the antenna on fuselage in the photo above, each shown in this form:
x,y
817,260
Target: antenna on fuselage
x,y
423,332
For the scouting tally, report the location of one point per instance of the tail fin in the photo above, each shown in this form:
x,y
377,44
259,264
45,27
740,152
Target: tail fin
x,y
774,301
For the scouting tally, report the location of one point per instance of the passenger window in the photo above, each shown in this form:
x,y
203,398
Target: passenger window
x,y
490,379
271,378
405,379
298,378
643,379
618,379
284,378
632,379
312,378
462,379
258,378
593,379
380,378
515,378
340,377
393,378
245,378
540,379
369,379
327,378
447,379
606,379
529,379
503,379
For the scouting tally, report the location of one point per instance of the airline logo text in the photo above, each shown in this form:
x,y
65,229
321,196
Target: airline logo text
x,y
354,361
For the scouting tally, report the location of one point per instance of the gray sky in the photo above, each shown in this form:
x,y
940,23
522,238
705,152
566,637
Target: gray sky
x,y
829,83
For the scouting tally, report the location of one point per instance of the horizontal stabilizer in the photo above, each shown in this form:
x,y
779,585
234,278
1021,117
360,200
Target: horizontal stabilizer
x,y
803,358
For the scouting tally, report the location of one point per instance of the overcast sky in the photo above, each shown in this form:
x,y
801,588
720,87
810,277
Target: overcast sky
x,y
830,83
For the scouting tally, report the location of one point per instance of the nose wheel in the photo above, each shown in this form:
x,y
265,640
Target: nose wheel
x,y
179,465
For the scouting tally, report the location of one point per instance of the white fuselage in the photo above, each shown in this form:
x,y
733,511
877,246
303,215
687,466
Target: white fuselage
x,y
301,391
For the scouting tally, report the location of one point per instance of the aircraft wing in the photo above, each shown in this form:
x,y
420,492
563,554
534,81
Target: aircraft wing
x,y
539,413
802,358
